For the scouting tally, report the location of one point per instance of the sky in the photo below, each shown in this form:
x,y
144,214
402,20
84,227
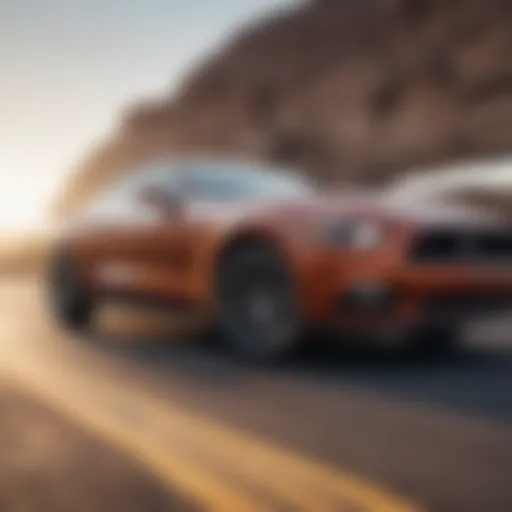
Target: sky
x,y
68,67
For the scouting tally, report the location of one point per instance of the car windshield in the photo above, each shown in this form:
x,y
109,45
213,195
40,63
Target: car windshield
x,y
238,182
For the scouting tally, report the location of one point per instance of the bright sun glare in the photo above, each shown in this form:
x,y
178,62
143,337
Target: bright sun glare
x,y
23,200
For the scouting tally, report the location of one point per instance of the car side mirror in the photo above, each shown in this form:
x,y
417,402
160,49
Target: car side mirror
x,y
167,201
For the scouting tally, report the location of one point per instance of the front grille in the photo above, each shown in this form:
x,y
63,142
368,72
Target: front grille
x,y
459,246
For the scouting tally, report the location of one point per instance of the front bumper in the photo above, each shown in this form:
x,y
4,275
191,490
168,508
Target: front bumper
x,y
406,298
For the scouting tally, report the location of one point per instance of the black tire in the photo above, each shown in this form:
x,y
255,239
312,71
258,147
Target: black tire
x,y
436,341
71,304
257,308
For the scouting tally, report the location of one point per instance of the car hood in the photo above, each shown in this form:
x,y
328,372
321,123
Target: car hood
x,y
334,206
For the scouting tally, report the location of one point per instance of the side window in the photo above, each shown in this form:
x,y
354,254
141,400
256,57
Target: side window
x,y
193,185
164,179
121,199
168,180
114,201
209,185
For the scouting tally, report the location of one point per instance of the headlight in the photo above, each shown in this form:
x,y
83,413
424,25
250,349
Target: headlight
x,y
367,235
357,235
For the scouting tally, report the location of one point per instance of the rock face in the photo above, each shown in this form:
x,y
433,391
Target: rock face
x,y
351,89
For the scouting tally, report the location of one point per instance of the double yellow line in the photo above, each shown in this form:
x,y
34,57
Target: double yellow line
x,y
217,466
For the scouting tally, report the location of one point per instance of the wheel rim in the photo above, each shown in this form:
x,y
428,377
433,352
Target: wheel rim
x,y
257,307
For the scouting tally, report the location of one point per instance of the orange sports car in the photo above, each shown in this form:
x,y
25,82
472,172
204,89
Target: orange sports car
x,y
270,257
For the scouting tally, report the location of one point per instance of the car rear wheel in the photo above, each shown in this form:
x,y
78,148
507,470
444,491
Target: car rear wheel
x,y
72,305
257,307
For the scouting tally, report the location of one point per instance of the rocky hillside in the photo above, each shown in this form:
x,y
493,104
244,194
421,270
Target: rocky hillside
x,y
351,89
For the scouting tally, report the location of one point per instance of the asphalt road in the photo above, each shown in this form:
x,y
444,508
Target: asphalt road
x,y
367,430
49,465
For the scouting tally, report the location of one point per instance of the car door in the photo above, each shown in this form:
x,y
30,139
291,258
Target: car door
x,y
123,231
159,230
170,244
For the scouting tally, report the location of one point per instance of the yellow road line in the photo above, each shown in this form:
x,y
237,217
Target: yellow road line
x,y
175,470
221,467
301,481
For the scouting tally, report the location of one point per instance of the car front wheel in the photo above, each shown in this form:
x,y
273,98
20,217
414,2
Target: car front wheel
x,y
256,303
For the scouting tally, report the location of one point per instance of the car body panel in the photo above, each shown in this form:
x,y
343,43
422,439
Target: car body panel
x,y
158,255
